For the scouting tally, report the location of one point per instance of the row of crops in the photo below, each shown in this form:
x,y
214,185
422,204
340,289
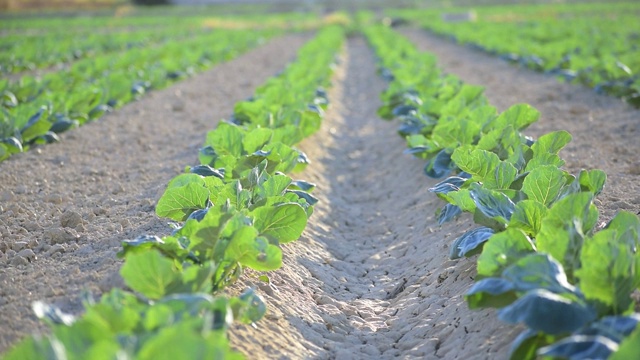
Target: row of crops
x,y
234,210
37,109
597,45
543,262
116,64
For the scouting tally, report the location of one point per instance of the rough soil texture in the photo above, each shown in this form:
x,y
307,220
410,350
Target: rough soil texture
x,y
369,279
605,130
65,208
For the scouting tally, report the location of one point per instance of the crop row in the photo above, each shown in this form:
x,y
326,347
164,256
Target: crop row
x,y
542,261
596,45
35,110
232,212
20,53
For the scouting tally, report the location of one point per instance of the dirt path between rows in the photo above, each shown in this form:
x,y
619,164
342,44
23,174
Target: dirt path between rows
x,y
65,208
370,278
605,130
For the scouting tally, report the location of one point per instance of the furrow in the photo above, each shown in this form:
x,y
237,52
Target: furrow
x,y
371,277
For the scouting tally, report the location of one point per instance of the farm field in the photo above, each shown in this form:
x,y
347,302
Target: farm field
x,y
371,275
592,44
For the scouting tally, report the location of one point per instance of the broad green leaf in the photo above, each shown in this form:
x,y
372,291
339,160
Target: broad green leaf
x,y
155,276
503,175
179,202
452,134
282,158
274,186
150,274
502,250
288,135
226,139
505,142
119,319
35,129
186,342
309,122
544,311
551,143
255,139
592,180
462,199
563,229
544,159
467,95
544,184
520,116
233,192
185,179
247,248
283,223
203,235
87,339
628,227
527,216
481,164
610,271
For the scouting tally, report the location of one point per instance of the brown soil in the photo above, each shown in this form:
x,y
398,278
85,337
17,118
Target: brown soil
x,y
370,278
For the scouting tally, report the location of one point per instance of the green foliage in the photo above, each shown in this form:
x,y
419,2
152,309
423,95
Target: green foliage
x,y
233,216
540,259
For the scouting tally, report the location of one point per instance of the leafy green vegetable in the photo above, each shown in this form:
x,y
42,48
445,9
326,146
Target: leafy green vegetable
x,y
501,250
527,216
283,223
470,243
542,310
563,229
610,269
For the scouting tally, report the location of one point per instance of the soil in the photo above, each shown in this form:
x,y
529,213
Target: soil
x,y
370,277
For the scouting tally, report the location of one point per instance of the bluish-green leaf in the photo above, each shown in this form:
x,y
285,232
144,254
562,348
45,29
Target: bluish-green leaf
x,y
578,347
544,311
491,292
470,243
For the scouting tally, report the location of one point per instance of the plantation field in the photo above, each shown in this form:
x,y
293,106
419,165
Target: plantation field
x,y
193,189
